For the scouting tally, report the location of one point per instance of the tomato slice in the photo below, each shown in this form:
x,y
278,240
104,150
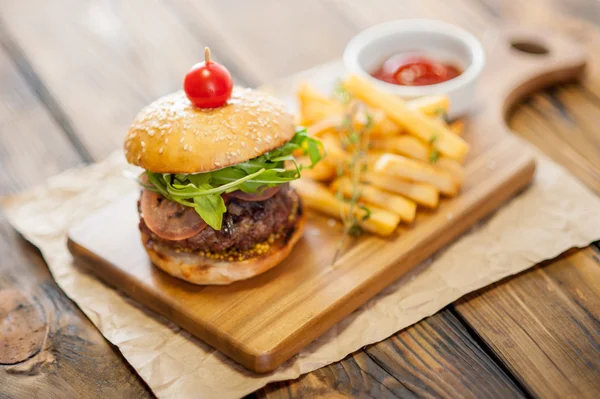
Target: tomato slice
x,y
263,195
168,219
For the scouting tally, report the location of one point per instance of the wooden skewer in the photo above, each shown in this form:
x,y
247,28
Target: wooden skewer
x,y
207,59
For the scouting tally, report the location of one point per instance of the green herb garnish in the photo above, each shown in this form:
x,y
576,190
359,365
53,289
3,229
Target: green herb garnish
x,y
434,156
356,143
340,92
202,191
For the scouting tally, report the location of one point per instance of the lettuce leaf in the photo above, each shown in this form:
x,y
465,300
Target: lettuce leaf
x,y
202,191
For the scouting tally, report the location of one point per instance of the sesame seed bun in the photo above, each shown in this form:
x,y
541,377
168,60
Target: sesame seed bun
x,y
198,269
171,135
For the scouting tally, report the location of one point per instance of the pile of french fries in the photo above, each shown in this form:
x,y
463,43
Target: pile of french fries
x,y
413,156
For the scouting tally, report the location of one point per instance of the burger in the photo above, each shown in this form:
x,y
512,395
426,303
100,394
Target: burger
x,y
216,205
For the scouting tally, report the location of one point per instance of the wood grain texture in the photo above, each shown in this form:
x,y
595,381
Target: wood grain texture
x,y
547,122
530,321
32,146
270,39
101,62
47,346
544,325
434,358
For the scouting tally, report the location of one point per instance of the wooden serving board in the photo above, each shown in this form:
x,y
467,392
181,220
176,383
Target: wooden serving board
x,y
264,321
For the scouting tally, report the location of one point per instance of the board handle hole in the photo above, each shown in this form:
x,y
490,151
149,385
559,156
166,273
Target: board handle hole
x,y
528,47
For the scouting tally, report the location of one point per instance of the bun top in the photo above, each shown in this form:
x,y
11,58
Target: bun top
x,y
171,135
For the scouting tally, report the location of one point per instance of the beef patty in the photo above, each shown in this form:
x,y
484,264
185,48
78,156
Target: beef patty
x,y
245,224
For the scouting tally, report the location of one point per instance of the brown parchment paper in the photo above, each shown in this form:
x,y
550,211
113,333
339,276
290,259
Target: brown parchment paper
x,y
556,213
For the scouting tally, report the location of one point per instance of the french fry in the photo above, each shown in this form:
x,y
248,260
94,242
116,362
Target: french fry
x,y
314,106
451,166
414,122
430,105
322,171
318,197
382,125
457,127
422,193
372,195
372,157
399,166
409,146
324,126
335,154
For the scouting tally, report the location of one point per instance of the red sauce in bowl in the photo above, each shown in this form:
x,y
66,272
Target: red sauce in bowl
x,y
414,70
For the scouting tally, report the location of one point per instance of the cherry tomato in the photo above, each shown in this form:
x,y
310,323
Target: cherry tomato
x,y
208,84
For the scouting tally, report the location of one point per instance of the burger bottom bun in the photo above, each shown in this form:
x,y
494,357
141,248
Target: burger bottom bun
x,y
201,270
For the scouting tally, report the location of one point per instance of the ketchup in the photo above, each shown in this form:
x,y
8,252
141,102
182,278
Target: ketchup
x,y
414,70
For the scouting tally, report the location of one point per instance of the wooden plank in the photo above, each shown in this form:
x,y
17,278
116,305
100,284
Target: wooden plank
x,y
46,343
357,376
567,142
544,325
30,140
434,358
559,15
101,62
269,39
365,14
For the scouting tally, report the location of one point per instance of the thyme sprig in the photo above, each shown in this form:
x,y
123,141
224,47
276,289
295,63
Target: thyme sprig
x,y
354,138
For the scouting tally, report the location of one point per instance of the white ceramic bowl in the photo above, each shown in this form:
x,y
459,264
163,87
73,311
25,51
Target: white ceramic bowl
x,y
442,41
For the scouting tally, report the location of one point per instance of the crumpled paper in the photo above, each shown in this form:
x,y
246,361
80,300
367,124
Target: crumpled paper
x,y
554,214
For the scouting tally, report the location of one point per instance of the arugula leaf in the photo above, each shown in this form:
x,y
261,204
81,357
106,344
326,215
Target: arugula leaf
x,y
211,209
202,191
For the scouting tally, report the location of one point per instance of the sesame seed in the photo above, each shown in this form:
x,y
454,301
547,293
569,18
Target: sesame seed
x,y
167,140
256,149
185,147
243,143
143,144
160,150
217,163
150,133
181,140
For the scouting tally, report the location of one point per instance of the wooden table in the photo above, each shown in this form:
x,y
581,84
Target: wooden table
x,y
73,74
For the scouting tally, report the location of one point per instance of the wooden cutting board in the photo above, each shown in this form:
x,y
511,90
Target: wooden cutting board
x,y
264,321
